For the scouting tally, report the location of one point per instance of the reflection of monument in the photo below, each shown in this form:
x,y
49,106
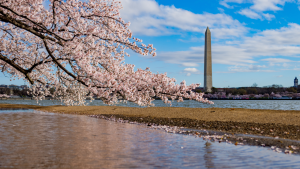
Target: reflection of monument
x,y
207,62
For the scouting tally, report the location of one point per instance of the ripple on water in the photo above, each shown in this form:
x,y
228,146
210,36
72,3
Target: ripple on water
x,y
39,140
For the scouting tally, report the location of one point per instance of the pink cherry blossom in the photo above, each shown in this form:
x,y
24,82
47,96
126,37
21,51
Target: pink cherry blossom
x,y
4,96
78,49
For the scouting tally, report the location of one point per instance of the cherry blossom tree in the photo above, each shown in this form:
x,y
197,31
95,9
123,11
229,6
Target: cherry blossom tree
x,y
78,49
4,96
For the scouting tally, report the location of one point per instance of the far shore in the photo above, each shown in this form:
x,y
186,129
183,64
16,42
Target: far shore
x,y
274,123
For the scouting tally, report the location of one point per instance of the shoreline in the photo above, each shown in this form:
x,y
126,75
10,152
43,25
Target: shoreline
x,y
282,127
279,145
264,122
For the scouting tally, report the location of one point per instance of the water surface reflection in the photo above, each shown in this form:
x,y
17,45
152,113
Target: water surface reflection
x,y
44,140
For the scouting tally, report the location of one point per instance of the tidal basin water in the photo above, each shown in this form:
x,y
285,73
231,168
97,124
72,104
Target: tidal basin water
x,y
33,139
247,104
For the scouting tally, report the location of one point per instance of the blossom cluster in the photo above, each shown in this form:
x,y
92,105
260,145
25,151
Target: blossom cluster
x,y
78,49
4,96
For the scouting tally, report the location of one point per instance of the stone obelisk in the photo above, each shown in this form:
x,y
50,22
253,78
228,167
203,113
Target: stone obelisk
x,y
207,62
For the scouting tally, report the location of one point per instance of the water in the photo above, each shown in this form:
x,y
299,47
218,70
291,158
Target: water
x,y
248,104
32,139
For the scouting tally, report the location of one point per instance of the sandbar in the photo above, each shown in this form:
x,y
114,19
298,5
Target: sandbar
x,y
274,123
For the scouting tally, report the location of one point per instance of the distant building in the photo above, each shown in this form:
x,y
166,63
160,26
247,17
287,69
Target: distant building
x,y
13,86
220,90
3,86
198,89
295,82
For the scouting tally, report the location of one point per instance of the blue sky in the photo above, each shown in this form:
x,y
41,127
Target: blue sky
x,y
253,41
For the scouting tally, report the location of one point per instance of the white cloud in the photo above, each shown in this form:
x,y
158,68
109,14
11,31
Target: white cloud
x,y
295,68
190,71
256,15
286,65
193,39
276,60
250,14
147,17
273,44
258,7
268,16
221,10
278,39
225,2
187,64
268,5
221,54
249,68
150,18
193,70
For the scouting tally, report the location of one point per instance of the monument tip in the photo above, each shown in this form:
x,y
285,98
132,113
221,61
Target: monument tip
x,y
207,29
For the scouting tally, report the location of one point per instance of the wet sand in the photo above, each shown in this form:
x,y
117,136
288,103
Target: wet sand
x,y
274,123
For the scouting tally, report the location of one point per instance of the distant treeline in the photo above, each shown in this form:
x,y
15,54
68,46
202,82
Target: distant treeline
x,y
254,90
18,92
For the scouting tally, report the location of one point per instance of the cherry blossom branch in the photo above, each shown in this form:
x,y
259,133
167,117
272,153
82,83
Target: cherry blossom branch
x,y
6,18
64,69
17,67
27,27
43,62
60,66
89,37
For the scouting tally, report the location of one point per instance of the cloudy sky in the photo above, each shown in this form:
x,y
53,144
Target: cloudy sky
x,y
253,41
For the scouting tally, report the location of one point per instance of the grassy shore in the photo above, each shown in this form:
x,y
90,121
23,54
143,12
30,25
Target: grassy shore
x,y
284,124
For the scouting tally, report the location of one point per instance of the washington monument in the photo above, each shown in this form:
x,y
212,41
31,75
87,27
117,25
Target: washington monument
x,y
207,62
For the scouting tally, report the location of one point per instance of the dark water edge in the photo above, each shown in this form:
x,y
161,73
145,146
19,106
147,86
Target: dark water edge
x,y
2,109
